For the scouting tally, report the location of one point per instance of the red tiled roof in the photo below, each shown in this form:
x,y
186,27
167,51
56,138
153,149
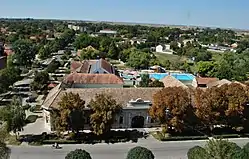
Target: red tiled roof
x,y
205,80
52,85
75,65
82,78
106,65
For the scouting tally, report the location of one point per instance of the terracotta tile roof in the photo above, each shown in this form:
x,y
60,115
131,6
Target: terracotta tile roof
x,y
75,65
170,81
218,83
121,95
106,65
205,80
82,66
82,78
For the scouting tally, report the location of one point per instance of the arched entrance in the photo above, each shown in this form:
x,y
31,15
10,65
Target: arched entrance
x,y
137,122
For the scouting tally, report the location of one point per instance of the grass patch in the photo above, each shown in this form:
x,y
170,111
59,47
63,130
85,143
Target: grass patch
x,y
172,58
31,118
11,140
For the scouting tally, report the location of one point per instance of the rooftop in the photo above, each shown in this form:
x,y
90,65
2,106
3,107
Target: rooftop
x,y
83,78
121,95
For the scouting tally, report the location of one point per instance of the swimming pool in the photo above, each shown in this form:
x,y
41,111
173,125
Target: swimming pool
x,y
179,76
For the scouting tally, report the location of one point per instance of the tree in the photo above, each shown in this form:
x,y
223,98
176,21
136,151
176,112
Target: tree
x,y
24,52
78,154
205,68
52,67
140,153
8,76
197,152
44,52
113,51
221,149
4,151
172,106
139,60
104,109
216,149
14,115
40,81
71,113
156,83
87,54
145,80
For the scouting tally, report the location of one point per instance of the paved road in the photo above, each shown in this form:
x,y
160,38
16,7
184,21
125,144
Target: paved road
x,y
165,150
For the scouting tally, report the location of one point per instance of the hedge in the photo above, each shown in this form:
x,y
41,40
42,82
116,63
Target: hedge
x,y
179,138
61,142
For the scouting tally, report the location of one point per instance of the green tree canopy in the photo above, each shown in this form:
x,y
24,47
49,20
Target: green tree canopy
x,y
197,152
78,154
140,153
14,115
205,68
24,52
40,81
139,60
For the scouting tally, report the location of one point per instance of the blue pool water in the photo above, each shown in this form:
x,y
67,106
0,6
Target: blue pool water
x,y
181,77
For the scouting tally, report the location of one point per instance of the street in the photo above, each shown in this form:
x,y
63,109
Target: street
x,y
161,150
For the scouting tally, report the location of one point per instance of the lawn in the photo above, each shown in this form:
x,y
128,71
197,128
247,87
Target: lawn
x,y
172,58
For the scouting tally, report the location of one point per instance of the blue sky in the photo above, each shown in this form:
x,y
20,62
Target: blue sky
x,y
218,13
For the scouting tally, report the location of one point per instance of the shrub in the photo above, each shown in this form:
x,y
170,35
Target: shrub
x,y
196,152
31,118
78,154
140,153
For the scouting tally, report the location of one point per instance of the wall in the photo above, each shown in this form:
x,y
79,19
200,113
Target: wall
x,y
47,121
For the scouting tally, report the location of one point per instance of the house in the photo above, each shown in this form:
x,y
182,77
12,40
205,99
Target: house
x,y
135,104
203,82
84,80
23,85
164,49
107,31
170,81
100,66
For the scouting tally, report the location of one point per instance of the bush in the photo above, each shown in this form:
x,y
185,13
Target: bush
x,y
31,118
78,154
140,153
48,142
196,152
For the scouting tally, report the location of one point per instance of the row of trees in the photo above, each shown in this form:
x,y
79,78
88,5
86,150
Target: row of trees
x,y
202,109
134,153
71,114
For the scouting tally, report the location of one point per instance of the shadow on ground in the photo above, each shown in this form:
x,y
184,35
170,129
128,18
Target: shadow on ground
x,y
84,138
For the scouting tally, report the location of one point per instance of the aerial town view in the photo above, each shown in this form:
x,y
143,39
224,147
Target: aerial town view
x,y
124,79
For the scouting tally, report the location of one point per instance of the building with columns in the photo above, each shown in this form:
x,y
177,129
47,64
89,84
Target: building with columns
x,y
135,102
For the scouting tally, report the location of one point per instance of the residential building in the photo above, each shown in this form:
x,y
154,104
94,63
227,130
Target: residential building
x,y
135,104
164,49
76,28
23,85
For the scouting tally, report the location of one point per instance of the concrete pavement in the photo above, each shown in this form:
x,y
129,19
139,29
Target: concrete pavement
x,y
162,150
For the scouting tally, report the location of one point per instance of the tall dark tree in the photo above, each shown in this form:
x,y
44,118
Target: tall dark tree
x,y
24,52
